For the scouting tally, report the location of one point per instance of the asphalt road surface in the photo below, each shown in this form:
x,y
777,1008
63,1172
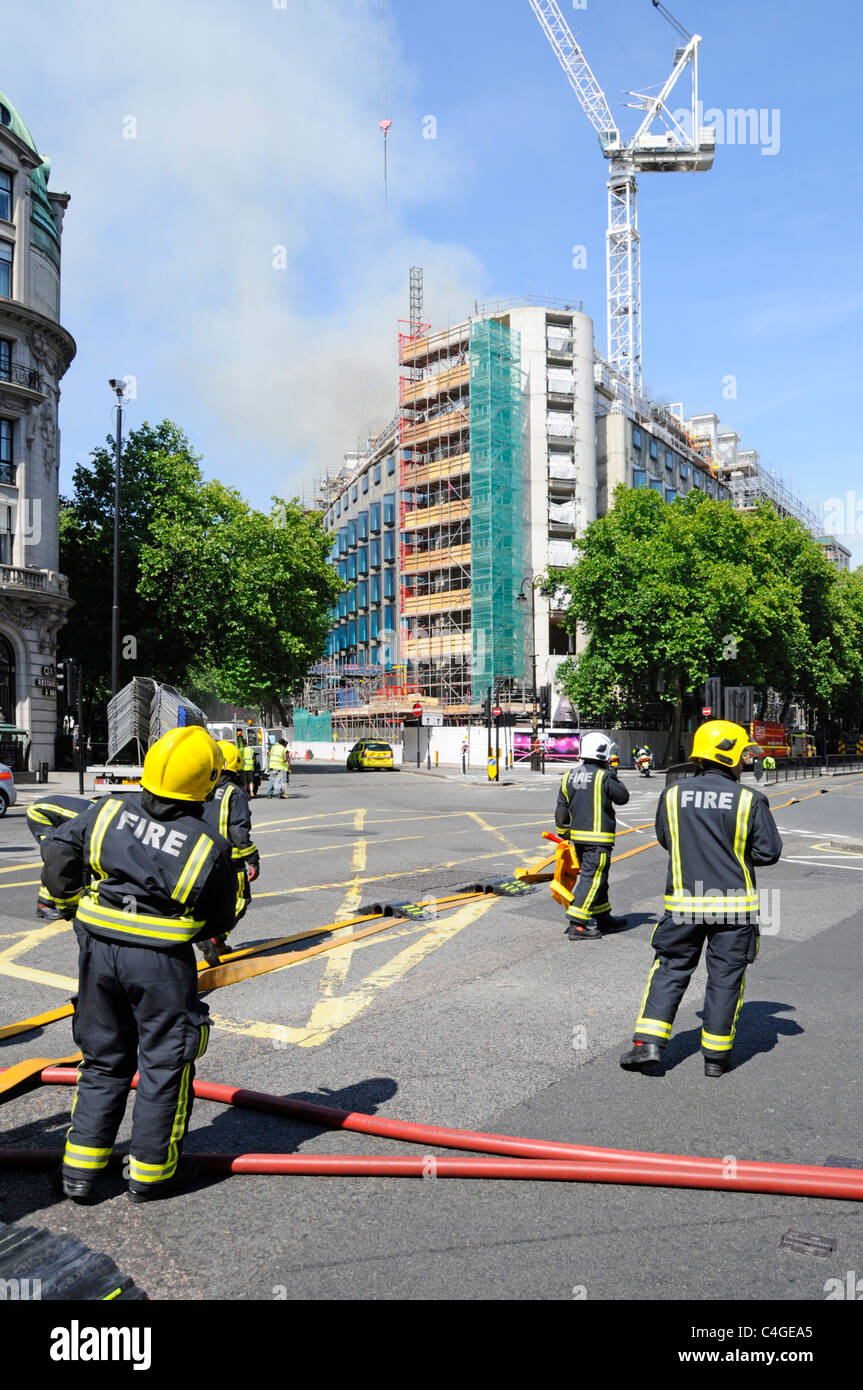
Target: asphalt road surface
x,y
483,1016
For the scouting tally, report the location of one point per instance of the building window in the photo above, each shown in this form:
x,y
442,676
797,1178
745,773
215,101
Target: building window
x,y
670,494
389,509
5,534
375,588
684,470
343,637
377,474
365,482
363,594
6,268
352,601
338,506
354,493
636,438
669,459
653,449
375,516
656,484
7,470
363,526
352,633
639,477
343,605
352,534
389,545
5,359
7,682
391,465
363,554
375,625
390,619
389,583
343,540
5,196
352,567
375,554
363,629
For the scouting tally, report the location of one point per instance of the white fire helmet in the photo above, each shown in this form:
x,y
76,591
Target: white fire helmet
x,y
598,747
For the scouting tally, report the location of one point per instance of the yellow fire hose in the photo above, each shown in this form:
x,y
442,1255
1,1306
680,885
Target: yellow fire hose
x,y
235,966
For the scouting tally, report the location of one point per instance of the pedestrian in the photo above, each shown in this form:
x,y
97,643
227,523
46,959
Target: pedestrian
x,y
229,814
279,768
715,832
585,817
248,767
149,879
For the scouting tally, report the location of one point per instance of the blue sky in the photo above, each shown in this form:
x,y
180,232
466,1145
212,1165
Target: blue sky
x,y
255,127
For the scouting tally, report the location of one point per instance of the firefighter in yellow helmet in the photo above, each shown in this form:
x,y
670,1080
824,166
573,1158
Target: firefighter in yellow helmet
x,y
149,878
229,814
715,832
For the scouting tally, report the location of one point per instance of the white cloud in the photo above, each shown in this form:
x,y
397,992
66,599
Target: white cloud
x,y
255,128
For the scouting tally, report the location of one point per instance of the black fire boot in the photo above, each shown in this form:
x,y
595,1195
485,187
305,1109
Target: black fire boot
x,y
642,1055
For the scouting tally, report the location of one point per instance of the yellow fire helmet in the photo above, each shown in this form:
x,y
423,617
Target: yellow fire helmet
x,y
183,765
719,741
231,755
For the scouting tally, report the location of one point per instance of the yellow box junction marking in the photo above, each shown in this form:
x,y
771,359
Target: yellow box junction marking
x,y
329,1015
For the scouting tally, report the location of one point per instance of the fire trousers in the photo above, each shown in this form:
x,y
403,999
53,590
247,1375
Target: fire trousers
x,y
137,1009
590,894
678,946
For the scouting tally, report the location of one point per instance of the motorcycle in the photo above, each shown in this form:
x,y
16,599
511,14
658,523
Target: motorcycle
x,y
644,763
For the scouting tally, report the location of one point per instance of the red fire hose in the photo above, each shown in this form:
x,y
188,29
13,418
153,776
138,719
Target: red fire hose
x,y
513,1157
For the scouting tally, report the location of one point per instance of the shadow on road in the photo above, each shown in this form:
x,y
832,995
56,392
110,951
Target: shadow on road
x,y
232,1130
759,1029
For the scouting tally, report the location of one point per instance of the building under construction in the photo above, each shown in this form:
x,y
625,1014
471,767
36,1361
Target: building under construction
x,y
749,481
509,438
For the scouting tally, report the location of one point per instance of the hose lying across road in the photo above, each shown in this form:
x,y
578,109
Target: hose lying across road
x,y
497,1156
503,1156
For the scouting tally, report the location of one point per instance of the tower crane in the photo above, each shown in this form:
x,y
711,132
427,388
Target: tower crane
x,y
662,144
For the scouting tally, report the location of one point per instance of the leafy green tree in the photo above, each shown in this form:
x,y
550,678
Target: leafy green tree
x,y
257,589
671,593
212,592
847,710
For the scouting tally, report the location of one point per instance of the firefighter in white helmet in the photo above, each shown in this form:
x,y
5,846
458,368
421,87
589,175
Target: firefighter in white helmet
x,y
585,817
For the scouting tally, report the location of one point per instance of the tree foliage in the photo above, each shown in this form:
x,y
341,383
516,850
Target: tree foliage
x,y
212,592
672,593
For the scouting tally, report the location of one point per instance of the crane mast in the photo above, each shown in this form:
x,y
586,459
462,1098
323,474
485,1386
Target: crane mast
x,y
675,147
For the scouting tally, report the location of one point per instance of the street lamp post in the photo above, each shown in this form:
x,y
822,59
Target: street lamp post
x,y
118,387
534,738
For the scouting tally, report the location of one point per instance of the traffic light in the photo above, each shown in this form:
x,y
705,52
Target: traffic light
x,y
544,702
486,708
67,684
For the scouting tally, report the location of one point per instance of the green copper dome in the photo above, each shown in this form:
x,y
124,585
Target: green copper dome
x,y
46,231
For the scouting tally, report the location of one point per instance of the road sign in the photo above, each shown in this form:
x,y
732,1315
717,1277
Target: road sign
x,y
496,711
432,719
706,711
418,709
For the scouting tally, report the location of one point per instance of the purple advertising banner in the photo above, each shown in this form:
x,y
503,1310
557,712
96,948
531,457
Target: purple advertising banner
x,y
559,747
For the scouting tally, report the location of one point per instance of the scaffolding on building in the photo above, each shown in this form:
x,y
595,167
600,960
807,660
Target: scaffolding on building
x,y
434,510
751,482
496,504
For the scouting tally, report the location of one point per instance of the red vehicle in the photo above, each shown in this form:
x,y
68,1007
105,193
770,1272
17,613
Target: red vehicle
x,y
771,737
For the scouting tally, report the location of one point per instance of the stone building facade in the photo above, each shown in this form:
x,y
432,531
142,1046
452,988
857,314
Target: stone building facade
x,y
35,352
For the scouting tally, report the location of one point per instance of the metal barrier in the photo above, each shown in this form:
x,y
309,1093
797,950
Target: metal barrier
x,y
794,769
843,762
